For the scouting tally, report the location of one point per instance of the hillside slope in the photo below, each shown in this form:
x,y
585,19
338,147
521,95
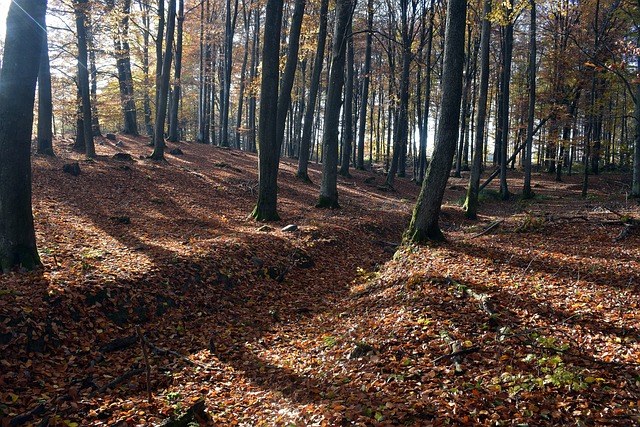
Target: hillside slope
x,y
531,322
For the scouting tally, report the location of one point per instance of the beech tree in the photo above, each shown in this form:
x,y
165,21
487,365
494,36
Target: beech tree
x,y
20,64
45,104
424,222
329,186
268,150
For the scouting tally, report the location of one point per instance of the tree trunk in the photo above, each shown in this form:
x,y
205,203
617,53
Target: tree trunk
x,y
81,10
145,67
229,25
307,129
504,145
473,190
20,65
268,151
424,222
175,99
125,77
328,197
162,92
289,74
45,105
348,109
635,189
243,73
527,193
365,88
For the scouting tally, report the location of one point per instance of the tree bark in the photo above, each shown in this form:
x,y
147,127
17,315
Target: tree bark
x,y
329,186
45,104
289,74
473,190
162,92
268,152
20,65
175,98
307,129
424,222
81,9
364,100
527,193
348,109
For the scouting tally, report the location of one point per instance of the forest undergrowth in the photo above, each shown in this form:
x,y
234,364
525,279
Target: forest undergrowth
x,y
161,301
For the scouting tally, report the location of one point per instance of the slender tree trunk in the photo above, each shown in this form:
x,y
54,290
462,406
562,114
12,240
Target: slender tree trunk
x,y
348,109
268,150
230,25
144,5
81,10
177,86
289,74
635,189
243,73
527,193
162,92
20,65
364,100
328,197
504,145
307,129
93,79
45,104
424,222
473,190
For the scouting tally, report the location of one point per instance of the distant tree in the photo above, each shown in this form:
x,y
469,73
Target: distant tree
x,y
177,86
329,186
527,193
20,64
348,109
307,128
45,104
81,11
365,88
424,222
471,202
123,65
268,152
162,89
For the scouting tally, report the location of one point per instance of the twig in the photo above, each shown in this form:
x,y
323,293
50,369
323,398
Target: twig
x,y
163,351
146,363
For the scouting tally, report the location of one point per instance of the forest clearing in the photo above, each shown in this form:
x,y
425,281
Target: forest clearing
x,y
527,316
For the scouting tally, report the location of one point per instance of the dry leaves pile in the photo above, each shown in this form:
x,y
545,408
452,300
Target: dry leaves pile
x,y
534,322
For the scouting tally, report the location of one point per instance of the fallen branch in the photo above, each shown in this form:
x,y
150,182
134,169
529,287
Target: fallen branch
x,y
456,350
164,352
122,378
491,226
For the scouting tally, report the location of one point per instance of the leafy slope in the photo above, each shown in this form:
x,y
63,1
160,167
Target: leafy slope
x,y
324,325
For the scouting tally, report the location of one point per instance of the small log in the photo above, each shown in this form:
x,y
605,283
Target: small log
x,y
28,416
456,349
122,378
491,226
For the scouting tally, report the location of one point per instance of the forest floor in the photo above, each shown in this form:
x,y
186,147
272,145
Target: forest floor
x,y
528,316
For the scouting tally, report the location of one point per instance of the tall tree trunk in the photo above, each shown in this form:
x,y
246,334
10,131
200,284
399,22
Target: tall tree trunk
x,y
348,108
506,82
246,15
22,55
45,104
81,11
144,5
473,190
289,74
253,72
328,197
424,222
229,25
635,189
402,124
177,86
162,92
93,79
123,63
307,129
527,193
268,150
422,153
364,100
